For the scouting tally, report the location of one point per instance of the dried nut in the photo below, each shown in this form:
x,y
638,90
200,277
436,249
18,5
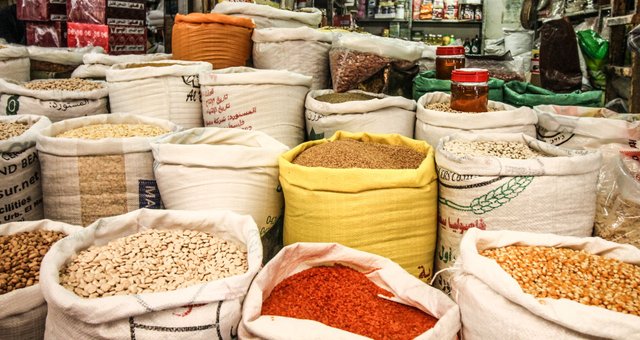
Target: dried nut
x,y
350,68
10,130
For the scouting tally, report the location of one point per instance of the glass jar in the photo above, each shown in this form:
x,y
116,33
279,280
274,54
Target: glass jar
x,y
448,58
470,90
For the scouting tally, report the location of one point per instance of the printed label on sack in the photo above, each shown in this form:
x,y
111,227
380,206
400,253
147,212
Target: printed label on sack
x,y
13,105
556,138
149,195
65,106
219,111
20,188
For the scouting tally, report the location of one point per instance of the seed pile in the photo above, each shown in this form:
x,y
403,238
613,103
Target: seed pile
x,y
70,84
344,298
99,131
559,273
444,107
10,130
343,154
337,98
21,255
502,149
152,261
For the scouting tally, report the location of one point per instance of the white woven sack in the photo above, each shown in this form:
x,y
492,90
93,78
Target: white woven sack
x,y
24,310
303,50
382,271
271,101
14,63
167,92
61,55
556,126
84,179
209,310
227,169
386,114
543,194
266,16
385,47
20,177
493,305
95,65
55,104
432,125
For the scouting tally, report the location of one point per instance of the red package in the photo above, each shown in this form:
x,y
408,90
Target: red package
x,y
110,12
127,40
41,10
47,34
81,35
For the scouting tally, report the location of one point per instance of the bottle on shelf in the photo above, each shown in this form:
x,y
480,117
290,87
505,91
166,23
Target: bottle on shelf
x,y
467,46
475,45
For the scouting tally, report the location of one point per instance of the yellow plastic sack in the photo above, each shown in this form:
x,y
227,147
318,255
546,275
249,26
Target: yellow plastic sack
x,y
391,213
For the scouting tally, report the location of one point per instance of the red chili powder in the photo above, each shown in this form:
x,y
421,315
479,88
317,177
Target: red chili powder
x,y
344,298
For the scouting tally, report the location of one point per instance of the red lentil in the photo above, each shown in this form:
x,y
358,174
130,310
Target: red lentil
x,y
344,298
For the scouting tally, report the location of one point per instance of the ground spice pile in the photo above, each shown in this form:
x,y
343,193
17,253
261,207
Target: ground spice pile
x,y
344,298
338,98
344,154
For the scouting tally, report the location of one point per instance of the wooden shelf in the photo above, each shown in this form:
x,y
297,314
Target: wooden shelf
x,y
381,20
462,22
621,71
623,20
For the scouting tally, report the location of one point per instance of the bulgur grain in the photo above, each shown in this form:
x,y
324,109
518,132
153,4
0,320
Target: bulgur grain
x,y
99,131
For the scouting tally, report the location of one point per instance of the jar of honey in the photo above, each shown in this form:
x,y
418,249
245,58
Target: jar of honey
x,y
470,90
448,58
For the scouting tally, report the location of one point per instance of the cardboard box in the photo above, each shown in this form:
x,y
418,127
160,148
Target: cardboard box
x,y
41,10
47,34
114,39
107,12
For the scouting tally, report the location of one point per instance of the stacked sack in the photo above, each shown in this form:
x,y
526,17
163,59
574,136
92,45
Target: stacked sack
x,y
266,16
54,62
95,65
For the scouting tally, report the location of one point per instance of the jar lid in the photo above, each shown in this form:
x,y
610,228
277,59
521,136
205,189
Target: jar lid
x,y
450,50
470,75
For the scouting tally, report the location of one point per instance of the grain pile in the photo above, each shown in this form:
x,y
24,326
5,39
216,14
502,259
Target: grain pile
x,y
562,273
21,255
71,84
99,131
502,149
338,98
10,130
153,261
343,154
445,107
150,65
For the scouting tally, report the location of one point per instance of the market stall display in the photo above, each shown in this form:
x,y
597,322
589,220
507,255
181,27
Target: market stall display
x,y
99,166
271,101
188,299
95,65
266,16
166,89
14,63
24,310
328,112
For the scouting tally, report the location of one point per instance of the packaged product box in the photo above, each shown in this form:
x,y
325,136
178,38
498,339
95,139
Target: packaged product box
x,y
47,34
113,38
41,10
107,12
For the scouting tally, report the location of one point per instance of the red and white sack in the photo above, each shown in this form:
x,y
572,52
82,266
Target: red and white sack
x,y
382,271
271,101
303,50
95,65
170,90
84,180
229,169
14,63
209,310
20,176
24,311
555,194
492,304
266,16
54,104
431,125
385,114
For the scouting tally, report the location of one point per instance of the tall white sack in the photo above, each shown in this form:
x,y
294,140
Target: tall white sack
x,y
95,65
14,63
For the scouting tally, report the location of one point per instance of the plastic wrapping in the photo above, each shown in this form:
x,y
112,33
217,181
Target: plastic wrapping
x,y
634,38
519,93
266,16
618,208
41,10
559,59
596,51
122,12
46,34
502,67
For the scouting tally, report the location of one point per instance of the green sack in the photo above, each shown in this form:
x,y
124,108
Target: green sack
x,y
519,93
595,51
426,82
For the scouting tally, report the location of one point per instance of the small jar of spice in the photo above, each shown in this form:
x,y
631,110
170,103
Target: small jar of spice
x,y
470,90
448,58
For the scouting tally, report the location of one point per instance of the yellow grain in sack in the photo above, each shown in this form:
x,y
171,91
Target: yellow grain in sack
x,y
387,212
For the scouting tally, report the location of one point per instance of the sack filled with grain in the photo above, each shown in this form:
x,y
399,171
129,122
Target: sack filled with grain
x,y
99,166
180,275
271,101
266,16
20,176
303,50
14,63
222,40
518,285
328,291
57,99
95,65
57,62
230,169
24,244
357,111
166,89
372,192
511,182
435,119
